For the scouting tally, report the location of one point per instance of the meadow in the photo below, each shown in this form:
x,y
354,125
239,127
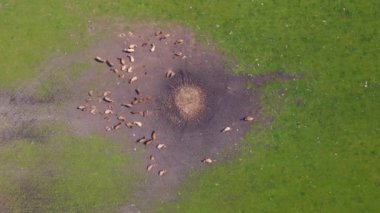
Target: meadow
x,y
321,153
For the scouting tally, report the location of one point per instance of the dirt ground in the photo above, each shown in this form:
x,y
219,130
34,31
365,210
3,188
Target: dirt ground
x,y
187,143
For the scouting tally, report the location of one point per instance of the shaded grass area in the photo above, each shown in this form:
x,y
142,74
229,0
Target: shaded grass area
x,y
56,86
64,175
320,154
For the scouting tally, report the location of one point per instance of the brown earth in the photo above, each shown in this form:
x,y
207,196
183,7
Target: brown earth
x,y
187,119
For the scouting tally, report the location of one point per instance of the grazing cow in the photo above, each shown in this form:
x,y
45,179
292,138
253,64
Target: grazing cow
x,y
137,123
136,101
150,167
141,140
90,93
151,157
137,113
143,99
109,63
107,99
248,118
137,91
108,111
127,105
129,70
132,46
207,160
108,128
154,135
131,58
165,36
124,68
152,48
117,126
161,146
162,172
140,100
179,41
170,74
106,93
122,61
129,125
147,142
93,110
133,79
99,59
81,107
226,129
158,33
129,50
121,118
178,53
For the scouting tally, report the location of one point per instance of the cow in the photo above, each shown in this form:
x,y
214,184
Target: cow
x,y
81,107
207,160
109,63
117,126
133,79
162,172
121,118
161,146
141,140
99,59
150,167
179,41
131,58
170,74
154,135
226,129
151,157
106,93
132,46
129,50
152,48
107,99
122,61
248,118
108,111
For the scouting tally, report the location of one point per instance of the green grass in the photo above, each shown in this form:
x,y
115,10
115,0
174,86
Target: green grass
x,y
64,175
32,32
319,156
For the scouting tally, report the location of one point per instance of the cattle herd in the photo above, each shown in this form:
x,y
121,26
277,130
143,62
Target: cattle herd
x,y
124,70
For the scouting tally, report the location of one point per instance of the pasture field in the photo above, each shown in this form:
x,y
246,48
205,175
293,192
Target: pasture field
x,y
320,153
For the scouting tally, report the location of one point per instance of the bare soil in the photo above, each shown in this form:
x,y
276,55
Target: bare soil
x,y
221,99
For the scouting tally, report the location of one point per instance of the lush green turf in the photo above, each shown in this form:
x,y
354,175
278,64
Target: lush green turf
x,y
321,154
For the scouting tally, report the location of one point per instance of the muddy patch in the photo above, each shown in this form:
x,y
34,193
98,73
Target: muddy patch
x,y
176,99
162,92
